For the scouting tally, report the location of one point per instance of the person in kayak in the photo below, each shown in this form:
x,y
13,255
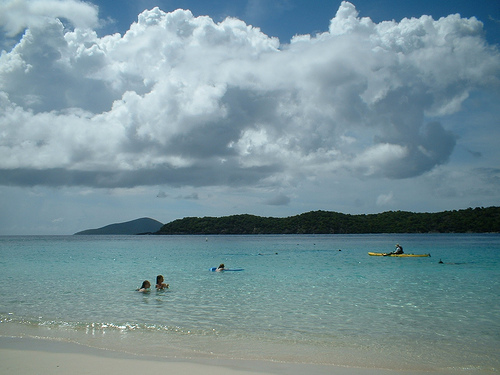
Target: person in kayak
x,y
398,250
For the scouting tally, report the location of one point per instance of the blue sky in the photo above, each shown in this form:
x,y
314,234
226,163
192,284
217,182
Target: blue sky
x,y
111,113
286,18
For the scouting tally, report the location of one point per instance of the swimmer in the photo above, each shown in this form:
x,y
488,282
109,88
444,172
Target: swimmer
x,y
220,268
160,284
145,287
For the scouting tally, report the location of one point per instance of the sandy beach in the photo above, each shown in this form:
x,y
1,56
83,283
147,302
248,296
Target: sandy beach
x,y
28,356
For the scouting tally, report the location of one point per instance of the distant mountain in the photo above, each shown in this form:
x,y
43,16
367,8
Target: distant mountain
x,y
138,226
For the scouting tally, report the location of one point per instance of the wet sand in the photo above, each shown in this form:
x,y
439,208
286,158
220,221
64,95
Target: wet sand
x,y
26,356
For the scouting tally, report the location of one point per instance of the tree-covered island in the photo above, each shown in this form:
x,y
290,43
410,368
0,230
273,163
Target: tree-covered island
x,y
471,220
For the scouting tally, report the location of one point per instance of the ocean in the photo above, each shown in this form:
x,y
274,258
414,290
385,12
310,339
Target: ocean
x,y
300,298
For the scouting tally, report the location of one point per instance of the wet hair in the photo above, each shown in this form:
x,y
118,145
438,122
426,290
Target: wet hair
x,y
221,265
146,284
159,279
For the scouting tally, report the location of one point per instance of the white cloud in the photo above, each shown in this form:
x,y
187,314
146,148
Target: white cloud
x,y
182,100
381,157
16,15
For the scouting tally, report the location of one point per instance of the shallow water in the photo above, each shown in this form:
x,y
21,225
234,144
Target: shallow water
x,y
299,298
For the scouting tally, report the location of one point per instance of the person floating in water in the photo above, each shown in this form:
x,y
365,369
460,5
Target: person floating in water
x,y
145,287
160,285
220,268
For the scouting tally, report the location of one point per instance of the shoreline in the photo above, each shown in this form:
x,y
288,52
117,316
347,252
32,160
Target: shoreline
x,y
26,356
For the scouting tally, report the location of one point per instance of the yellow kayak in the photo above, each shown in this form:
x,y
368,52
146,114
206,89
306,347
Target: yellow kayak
x,y
398,255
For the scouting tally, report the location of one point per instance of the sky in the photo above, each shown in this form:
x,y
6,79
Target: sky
x,y
112,111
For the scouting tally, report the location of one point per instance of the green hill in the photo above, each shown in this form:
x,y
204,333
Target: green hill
x,y
138,226
477,220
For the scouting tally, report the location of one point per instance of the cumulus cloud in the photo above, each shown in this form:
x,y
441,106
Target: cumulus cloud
x,y
183,101
17,15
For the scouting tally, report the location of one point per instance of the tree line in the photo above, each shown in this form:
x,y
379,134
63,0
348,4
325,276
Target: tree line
x,y
471,220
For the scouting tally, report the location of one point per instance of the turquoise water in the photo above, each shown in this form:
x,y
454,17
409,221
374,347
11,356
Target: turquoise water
x,y
299,299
